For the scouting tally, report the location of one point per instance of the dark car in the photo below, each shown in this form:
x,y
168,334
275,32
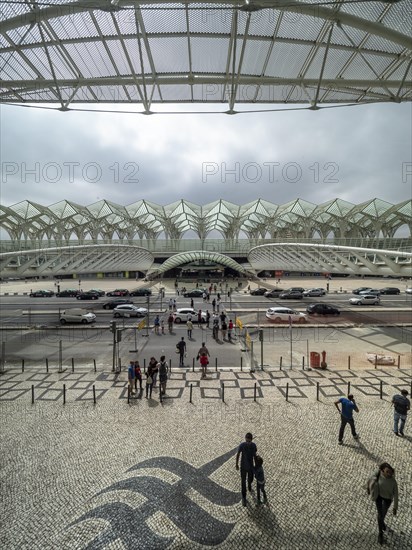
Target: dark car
x,y
258,291
291,295
41,294
118,292
195,293
360,289
141,292
98,291
68,293
296,289
374,291
87,296
390,290
274,293
322,309
114,303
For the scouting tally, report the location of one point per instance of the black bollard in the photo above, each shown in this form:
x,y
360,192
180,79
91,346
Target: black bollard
x,y
303,362
32,394
216,364
349,362
47,365
381,389
349,387
376,361
72,364
22,365
94,365
254,392
399,361
241,363
287,391
191,391
193,365
94,394
280,363
64,394
317,391
223,392
128,394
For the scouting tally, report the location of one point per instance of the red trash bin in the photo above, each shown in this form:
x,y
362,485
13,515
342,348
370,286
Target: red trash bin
x,y
315,360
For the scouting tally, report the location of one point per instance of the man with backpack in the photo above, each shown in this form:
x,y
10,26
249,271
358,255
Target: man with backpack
x,y
181,348
163,369
401,405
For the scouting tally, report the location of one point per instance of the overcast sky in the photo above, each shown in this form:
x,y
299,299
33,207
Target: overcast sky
x,y
354,153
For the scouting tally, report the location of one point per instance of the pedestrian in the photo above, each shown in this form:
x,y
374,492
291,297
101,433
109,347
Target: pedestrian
x,y
222,316
260,479
204,296
218,294
174,304
154,369
199,317
215,329
137,375
204,361
149,381
163,369
214,305
191,303
348,405
218,305
170,304
162,325
130,377
202,349
156,324
181,349
170,322
224,330
383,489
247,450
189,326
230,330
401,406
207,318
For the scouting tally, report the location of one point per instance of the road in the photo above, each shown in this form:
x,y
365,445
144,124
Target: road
x,y
22,310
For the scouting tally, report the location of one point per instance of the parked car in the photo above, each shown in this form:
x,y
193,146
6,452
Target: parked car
x,y
68,292
87,296
258,291
279,314
141,292
195,293
374,291
297,289
314,292
118,292
390,290
129,310
291,295
365,299
360,289
77,315
322,309
408,290
41,294
98,291
274,293
114,303
182,315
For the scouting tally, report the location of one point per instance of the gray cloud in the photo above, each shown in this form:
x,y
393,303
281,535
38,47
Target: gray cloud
x,y
354,153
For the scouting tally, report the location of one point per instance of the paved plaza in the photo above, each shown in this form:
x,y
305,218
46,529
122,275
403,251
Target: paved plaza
x,y
84,467
152,475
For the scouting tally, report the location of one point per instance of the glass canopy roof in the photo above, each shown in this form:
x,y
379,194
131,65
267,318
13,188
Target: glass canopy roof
x,y
232,53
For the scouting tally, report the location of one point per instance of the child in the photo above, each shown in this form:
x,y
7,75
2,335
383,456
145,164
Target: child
x,y
260,479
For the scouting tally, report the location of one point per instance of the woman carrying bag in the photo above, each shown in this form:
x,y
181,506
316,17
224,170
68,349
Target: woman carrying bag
x,y
383,489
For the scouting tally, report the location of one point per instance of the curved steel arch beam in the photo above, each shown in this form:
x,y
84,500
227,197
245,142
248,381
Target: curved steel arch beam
x,y
38,14
193,255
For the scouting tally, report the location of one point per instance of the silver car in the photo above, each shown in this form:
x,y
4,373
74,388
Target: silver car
x,y
129,310
183,315
77,315
314,292
365,299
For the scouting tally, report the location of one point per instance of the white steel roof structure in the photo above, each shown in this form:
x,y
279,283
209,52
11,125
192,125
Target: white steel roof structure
x,y
105,221
310,257
231,52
